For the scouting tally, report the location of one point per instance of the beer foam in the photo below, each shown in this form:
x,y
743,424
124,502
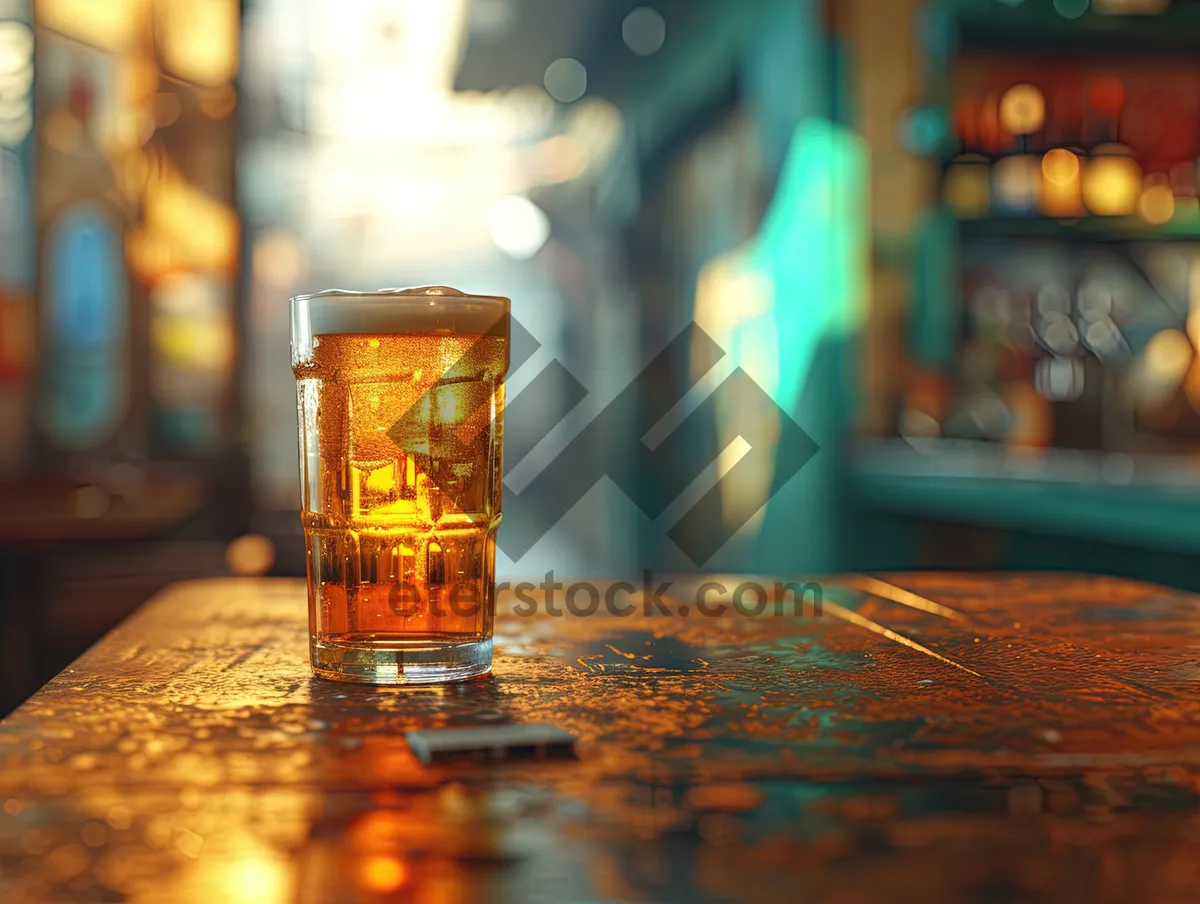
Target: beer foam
x,y
425,309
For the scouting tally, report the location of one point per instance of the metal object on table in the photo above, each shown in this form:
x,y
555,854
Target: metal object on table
x,y
1049,751
490,742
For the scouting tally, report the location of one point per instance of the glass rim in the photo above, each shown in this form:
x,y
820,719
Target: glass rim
x,y
432,294
394,311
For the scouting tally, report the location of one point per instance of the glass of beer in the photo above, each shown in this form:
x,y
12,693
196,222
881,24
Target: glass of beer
x,y
401,404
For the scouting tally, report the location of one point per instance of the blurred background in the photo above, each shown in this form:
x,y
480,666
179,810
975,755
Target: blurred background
x,y
957,241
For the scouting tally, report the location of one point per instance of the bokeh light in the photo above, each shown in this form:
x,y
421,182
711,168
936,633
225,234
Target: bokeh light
x,y
1060,167
382,874
1112,182
518,226
1157,203
644,31
1061,196
1022,109
1168,355
1016,183
967,189
259,879
200,39
923,129
1071,9
250,555
565,80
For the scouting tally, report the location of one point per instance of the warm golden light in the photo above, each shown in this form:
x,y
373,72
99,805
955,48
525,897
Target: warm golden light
x,y
150,254
200,39
205,230
1022,109
382,874
1112,182
188,324
1193,321
137,78
383,830
1157,204
1168,355
250,555
1193,328
262,881
1060,167
111,24
1061,170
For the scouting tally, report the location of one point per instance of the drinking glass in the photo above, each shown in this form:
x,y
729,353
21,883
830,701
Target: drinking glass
x,y
401,404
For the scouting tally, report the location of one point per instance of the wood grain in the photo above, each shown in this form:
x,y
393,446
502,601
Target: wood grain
x,y
973,738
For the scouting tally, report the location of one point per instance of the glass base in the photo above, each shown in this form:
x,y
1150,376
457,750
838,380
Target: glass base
x,y
400,662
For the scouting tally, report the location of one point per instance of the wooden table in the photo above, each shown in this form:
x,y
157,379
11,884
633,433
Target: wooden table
x,y
1036,739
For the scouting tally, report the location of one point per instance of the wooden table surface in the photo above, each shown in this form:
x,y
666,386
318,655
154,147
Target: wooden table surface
x,y
1036,739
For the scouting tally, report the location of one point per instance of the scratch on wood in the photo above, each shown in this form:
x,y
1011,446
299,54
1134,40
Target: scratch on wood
x,y
904,597
861,621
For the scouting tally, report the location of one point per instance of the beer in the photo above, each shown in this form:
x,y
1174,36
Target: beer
x,y
401,403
